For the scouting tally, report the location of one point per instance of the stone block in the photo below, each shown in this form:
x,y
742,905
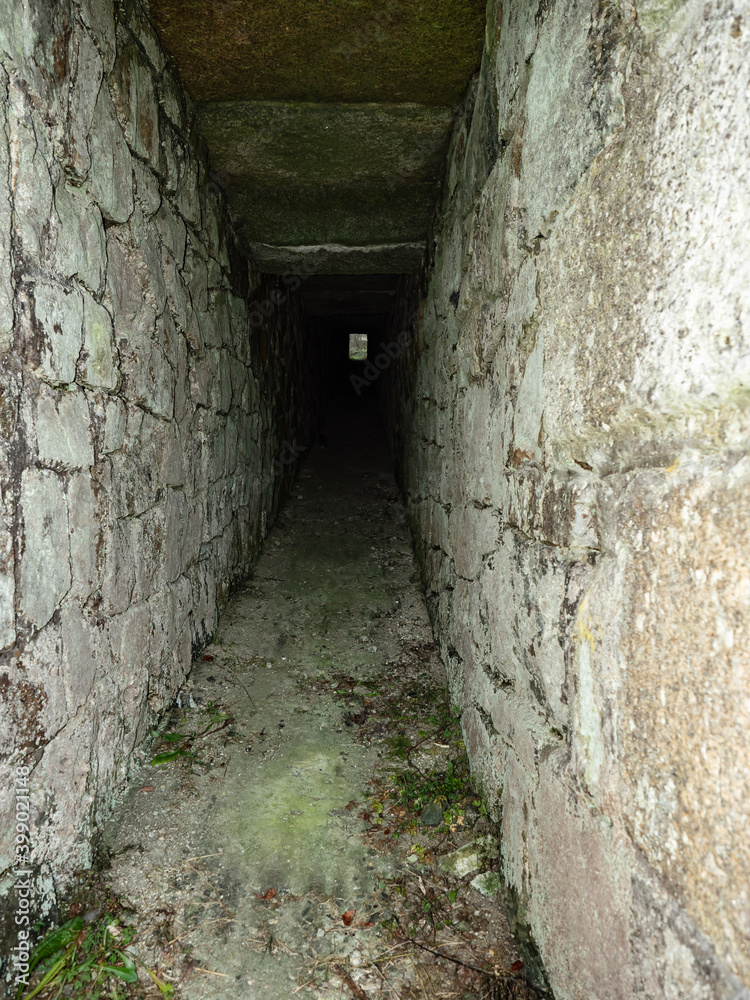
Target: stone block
x,y
6,287
128,638
45,556
558,103
146,188
64,776
31,185
34,701
118,578
174,532
96,366
172,100
7,590
527,418
177,294
86,536
99,19
52,329
148,540
182,402
239,374
160,440
474,534
168,167
681,590
191,538
148,378
221,389
172,232
168,337
115,423
81,653
86,71
170,649
230,444
131,284
80,250
130,483
140,24
63,430
196,275
186,198
111,165
580,892
134,97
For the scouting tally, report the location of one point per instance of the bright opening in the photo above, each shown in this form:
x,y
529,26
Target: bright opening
x,y
358,346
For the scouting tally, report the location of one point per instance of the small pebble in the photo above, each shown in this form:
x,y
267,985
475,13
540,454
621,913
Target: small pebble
x,y
432,814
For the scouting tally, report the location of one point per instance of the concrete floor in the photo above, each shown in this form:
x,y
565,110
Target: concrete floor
x,y
241,868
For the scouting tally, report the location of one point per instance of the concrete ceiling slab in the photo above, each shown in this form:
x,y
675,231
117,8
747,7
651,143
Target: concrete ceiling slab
x,y
388,258
270,142
327,122
421,51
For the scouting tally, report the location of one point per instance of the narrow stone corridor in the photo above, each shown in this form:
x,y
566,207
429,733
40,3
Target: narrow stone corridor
x,y
240,866
216,574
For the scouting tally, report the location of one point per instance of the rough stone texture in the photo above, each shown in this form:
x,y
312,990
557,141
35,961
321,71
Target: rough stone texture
x,y
149,382
571,422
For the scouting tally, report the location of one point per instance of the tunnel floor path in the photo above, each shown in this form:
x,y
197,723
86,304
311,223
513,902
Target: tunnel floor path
x,y
284,858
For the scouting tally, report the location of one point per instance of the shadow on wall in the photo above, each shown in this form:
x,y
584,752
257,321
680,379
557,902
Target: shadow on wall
x,y
151,422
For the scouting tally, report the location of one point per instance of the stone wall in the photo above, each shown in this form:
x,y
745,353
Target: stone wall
x,y
572,429
155,395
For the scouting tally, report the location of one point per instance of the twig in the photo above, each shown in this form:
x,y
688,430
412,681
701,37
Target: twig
x,y
241,684
357,991
475,968
208,972
216,920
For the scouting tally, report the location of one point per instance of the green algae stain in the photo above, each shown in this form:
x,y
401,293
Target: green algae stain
x,y
291,831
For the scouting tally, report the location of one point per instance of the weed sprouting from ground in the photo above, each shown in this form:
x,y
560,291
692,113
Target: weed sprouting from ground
x,y
91,955
423,809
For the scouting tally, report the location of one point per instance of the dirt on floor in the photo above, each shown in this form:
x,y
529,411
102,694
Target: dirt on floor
x,y
304,823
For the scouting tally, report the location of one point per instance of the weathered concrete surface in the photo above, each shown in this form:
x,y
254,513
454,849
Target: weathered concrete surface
x,y
327,124
572,430
352,174
337,258
152,389
314,51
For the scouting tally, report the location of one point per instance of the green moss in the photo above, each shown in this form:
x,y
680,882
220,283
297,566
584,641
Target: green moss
x,y
283,831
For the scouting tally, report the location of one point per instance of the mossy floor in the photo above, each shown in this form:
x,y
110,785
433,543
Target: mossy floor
x,y
286,859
